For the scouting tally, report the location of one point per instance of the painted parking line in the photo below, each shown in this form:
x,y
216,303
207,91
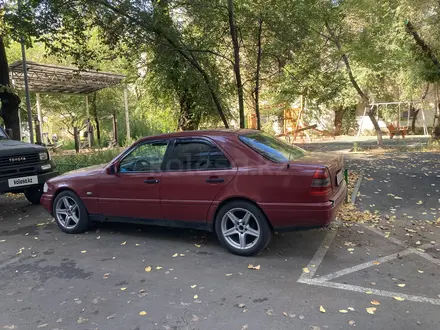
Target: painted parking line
x,y
325,281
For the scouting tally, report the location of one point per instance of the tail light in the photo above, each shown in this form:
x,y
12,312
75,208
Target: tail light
x,y
321,183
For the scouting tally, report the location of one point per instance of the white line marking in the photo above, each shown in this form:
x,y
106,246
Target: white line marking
x,y
392,239
382,293
367,264
427,257
319,255
428,246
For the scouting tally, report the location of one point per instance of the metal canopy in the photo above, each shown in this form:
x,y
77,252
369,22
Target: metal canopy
x,y
48,78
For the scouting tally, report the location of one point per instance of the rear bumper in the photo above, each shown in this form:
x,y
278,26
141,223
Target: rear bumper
x,y
287,217
42,178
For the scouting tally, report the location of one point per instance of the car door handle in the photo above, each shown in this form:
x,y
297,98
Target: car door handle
x,y
215,180
151,181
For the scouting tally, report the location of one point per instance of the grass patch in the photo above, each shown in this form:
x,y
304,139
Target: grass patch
x,y
71,161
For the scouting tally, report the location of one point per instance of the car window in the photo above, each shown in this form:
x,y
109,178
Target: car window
x,y
196,155
2,134
145,157
272,148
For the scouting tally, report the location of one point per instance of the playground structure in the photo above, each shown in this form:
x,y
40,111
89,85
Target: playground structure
x,y
398,127
293,125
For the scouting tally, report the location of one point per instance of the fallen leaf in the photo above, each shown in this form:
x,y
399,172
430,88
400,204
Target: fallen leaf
x,y
106,275
369,292
257,267
123,289
401,285
250,266
148,269
419,203
123,243
229,274
284,313
42,325
321,309
397,197
351,322
306,270
241,305
350,309
196,296
197,245
175,255
420,271
143,313
193,286
387,234
399,298
375,303
376,262
343,311
159,267
83,251
182,254
370,310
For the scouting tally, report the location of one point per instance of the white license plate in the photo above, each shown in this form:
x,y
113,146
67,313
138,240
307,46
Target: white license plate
x,y
24,181
339,177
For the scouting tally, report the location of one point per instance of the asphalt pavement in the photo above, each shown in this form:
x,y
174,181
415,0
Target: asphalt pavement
x,y
183,279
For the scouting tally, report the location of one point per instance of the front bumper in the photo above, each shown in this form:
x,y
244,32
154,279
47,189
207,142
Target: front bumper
x,y
42,178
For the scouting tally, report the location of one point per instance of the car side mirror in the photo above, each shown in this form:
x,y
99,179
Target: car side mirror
x,y
113,168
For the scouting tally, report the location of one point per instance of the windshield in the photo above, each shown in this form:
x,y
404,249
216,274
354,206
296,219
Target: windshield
x,y
2,134
272,148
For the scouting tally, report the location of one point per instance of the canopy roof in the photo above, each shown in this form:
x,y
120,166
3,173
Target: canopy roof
x,y
61,79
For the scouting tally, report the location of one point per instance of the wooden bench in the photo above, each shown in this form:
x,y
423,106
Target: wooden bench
x,y
397,130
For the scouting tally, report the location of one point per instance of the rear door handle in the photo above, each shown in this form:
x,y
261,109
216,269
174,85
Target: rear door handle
x,y
151,181
215,180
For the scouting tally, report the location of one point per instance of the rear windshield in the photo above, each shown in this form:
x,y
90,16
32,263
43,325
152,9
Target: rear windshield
x,y
272,148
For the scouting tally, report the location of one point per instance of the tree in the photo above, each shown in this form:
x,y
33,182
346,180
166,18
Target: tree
x,y
10,101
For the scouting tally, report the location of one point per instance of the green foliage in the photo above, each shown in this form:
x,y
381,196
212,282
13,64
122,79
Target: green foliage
x,y
69,162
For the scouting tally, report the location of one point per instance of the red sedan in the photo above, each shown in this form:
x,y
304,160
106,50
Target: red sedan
x,y
243,184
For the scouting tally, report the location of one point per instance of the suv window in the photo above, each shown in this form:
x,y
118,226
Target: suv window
x,y
272,148
145,157
196,155
3,134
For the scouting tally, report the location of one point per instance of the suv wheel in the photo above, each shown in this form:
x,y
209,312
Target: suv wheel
x,y
242,228
70,213
34,194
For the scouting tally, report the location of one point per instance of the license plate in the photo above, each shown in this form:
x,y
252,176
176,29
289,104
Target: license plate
x,y
339,177
24,181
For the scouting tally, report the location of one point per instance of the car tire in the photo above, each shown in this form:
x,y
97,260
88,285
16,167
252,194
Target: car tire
x,y
34,194
242,228
70,213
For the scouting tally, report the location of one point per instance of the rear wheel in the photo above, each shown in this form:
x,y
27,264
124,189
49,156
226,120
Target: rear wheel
x,y
34,194
70,213
242,228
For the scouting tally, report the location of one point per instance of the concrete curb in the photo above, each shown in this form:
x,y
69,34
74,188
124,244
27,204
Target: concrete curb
x,y
356,189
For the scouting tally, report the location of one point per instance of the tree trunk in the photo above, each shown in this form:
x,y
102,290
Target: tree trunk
x,y
372,115
96,118
355,84
188,120
9,100
422,44
236,46
257,75
339,115
414,118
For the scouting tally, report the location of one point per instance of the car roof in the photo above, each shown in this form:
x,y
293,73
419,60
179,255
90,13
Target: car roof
x,y
211,132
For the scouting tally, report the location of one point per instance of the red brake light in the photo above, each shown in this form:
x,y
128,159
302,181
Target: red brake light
x,y
321,184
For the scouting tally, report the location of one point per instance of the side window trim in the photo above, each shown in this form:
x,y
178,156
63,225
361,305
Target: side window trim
x,y
133,148
172,144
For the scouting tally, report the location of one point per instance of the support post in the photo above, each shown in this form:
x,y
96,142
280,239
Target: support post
x,y
127,115
39,118
362,122
37,131
425,128
398,118
115,130
89,125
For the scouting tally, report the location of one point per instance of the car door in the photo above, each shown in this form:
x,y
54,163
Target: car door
x,y
195,171
134,190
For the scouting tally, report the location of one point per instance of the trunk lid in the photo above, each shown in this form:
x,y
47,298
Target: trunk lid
x,y
334,163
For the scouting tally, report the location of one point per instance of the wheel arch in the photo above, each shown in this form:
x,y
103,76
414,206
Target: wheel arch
x,y
239,198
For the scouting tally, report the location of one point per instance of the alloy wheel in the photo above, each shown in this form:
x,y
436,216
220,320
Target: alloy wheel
x,y
67,212
240,228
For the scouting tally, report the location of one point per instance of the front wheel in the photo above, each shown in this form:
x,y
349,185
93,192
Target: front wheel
x,y
242,228
70,213
34,194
